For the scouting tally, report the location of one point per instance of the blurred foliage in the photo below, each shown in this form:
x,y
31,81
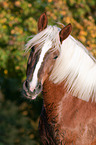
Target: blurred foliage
x,y
16,125
18,20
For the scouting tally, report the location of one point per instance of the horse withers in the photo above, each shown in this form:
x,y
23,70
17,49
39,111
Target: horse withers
x,y
63,70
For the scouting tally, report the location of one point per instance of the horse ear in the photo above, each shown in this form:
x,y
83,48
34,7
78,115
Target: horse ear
x,y
42,22
65,32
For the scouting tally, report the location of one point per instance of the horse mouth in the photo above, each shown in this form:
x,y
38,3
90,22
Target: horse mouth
x,y
29,94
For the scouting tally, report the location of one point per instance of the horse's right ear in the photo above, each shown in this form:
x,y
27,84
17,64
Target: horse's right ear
x,y
65,32
42,22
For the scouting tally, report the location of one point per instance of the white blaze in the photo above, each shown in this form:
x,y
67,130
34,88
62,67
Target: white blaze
x,y
34,80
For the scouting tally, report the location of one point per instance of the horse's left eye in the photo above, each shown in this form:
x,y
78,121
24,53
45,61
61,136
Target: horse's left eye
x,y
32,49
55,57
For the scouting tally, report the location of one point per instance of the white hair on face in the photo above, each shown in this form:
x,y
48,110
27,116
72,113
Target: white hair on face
x,y
34,80
77,69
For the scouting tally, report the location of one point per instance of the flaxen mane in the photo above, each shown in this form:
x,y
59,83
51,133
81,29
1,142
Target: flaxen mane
x,y
78,68
75,66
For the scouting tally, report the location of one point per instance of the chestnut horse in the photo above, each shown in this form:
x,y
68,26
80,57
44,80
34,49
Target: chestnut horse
x,y
62,69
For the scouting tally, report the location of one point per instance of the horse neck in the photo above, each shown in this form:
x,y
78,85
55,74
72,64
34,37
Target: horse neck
x,y
54,92
52,95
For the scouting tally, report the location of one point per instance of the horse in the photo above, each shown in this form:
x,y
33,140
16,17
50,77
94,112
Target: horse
x,y
64,71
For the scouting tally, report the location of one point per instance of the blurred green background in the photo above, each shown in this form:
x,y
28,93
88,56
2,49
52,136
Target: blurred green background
x,y
19,117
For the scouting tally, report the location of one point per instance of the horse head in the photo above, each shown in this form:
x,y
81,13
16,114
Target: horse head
x,y
45,50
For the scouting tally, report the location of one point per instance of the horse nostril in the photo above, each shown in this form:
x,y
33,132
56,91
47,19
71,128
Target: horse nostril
x,y
26,84
39,86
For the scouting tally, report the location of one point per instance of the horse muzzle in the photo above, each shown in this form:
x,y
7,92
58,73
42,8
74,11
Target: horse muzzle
x,y
32,94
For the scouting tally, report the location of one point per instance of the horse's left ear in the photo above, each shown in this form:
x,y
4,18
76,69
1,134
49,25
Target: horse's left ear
x,y
65,32
42,22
